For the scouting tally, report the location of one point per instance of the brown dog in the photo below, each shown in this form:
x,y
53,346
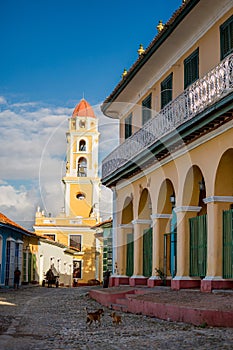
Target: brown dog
x,y
116,318
94,316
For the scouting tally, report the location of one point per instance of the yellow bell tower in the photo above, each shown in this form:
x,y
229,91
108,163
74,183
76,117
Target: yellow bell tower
x,y
81,179
73,227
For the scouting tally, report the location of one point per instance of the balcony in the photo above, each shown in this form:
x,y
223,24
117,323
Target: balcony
x,y
195,109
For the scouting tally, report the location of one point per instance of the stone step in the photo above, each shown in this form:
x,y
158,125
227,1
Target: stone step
x,y
119,307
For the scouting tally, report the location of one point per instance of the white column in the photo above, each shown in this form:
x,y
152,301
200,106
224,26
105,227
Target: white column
x,y
160,222
139,226
114,232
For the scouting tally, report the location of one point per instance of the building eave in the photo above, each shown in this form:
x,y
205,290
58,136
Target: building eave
x,y
169,27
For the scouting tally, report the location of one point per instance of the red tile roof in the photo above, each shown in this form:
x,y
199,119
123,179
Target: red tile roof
x,y
5,220
83,109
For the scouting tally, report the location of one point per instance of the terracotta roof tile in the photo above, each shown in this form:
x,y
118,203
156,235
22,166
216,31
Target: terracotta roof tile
x,y
5,220
83,109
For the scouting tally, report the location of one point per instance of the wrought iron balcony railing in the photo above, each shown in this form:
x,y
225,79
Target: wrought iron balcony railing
x,y
195,99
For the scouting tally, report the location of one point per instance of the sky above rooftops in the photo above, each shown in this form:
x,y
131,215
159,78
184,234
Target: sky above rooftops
x,y
52,54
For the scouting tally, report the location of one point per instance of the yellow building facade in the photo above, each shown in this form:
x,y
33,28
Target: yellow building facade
x,y
172,173
72,227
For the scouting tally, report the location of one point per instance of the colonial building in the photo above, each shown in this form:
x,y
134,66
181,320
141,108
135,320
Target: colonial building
x,y
81,195
172,174
104,236
18,249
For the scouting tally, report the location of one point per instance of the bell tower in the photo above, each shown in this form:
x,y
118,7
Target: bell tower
x,y
82,184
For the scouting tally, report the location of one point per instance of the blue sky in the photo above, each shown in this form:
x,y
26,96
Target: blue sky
x,y
51,53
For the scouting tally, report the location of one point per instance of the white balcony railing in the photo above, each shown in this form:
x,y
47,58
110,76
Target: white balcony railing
x,y
196,98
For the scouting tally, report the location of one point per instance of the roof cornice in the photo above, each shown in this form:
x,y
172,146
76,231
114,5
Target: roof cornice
x,y
169,27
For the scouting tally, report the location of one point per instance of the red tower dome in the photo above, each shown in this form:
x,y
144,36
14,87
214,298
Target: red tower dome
x,y
83,109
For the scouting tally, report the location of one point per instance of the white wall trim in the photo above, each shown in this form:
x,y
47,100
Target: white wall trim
x,y
222,199
125,226
187,208
160,216
141,222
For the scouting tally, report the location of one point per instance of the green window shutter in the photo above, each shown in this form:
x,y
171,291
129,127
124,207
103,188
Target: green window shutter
x,y
228,244
130,255
226,38
29,267
146,109
147,252
198,245
166,90
191,68
128,126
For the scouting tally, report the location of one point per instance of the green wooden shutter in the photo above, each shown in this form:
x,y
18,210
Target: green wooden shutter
x,y
166,90
147,253
130,255
198,246
226,37
228,244
29,267
24,267
146,109
128,126
191,68
34,267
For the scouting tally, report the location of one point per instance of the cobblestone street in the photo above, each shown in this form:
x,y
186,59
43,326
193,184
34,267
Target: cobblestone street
x,y
55,318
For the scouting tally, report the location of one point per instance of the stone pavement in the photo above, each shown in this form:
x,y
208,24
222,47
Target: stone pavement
x,y
54,318
190,306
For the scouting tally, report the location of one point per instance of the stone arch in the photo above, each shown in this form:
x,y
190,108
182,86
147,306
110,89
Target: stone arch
x,y
194,190
127,242
127,211
167,228
224,175
194,215
145,239
82,145
166,193
145,206
82,167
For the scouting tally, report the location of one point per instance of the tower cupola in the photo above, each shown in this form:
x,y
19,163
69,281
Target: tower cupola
x,y
83,109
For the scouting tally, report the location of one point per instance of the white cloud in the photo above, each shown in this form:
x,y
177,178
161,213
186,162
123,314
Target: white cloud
x,y
33,151
17,204
2,100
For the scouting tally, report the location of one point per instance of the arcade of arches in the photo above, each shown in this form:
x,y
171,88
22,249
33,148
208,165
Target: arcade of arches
x,y
174,221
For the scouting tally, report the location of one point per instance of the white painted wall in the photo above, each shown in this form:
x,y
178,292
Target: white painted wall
x,y
52,254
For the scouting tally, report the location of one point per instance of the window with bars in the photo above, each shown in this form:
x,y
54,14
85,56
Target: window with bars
x,y
75,241
146,109
166,90
191,68
226,38
128,126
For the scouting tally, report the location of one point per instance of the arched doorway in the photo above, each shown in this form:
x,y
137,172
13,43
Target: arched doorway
x,y
144,213
193,194
127,217
224,188
166,205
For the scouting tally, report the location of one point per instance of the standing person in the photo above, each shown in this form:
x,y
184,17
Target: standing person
x,y
17,274
50,277
106,278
